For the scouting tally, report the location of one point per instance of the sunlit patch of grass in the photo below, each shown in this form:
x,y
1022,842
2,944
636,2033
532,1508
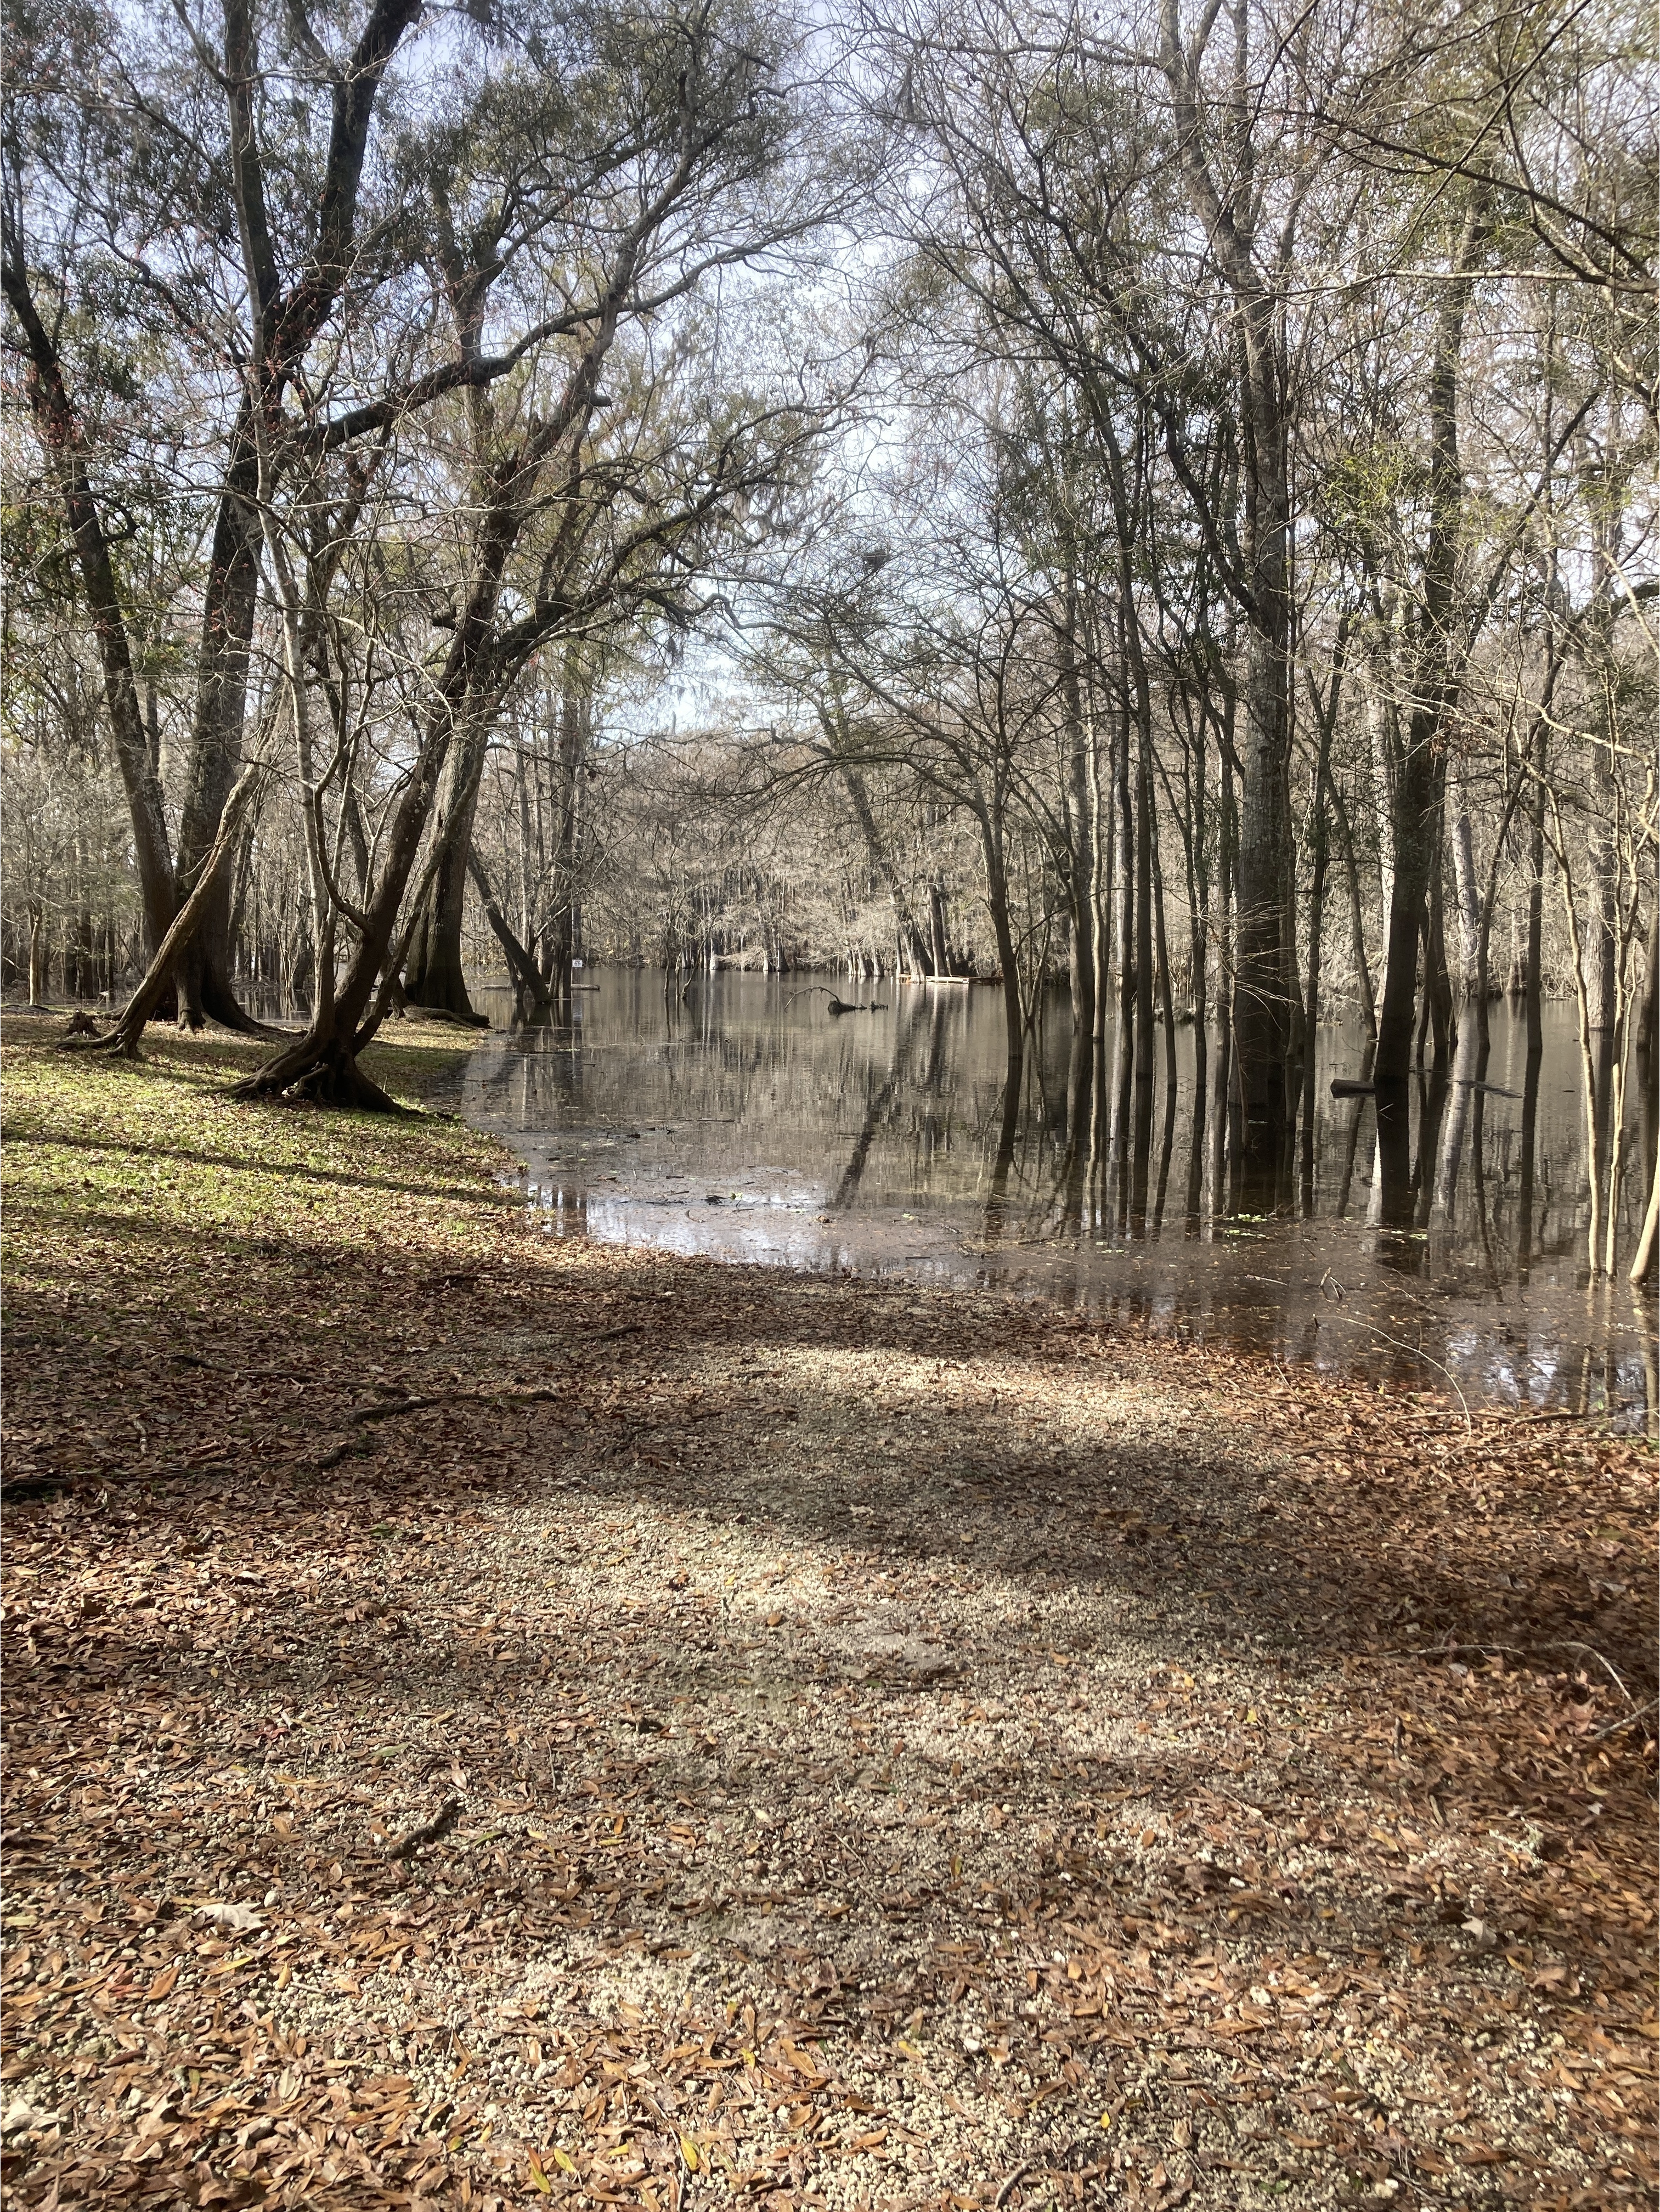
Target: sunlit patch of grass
x,y
108,1161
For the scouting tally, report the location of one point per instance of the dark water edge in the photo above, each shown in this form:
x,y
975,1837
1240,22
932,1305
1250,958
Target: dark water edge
x,y
1446,1251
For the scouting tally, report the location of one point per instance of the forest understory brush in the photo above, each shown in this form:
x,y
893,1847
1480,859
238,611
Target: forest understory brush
x,y
496,1720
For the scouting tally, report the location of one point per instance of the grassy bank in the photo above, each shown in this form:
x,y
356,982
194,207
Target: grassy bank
x,y
493,1721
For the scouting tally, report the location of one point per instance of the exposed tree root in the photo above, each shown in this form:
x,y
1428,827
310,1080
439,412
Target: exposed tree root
x,y
324,1070
119,1043
444,1014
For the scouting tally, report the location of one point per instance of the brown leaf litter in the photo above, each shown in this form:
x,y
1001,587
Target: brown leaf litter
x,y
497,1722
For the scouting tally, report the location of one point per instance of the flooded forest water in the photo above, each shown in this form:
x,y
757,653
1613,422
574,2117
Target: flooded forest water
x,y
747,1122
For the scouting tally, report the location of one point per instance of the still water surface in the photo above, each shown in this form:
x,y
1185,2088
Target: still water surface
x,y
749,1123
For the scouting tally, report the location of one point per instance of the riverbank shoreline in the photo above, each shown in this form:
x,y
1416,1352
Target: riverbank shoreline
x,y
493,1718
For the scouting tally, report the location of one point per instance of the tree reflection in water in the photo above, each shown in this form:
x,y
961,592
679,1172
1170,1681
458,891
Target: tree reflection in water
x,y
1435,1232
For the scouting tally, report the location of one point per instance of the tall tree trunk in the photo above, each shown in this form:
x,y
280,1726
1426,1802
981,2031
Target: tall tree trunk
x,y
1437,977
1532,980
1145,979
1601,839
1470,999
1589,1042
1102,845
1161,961
939,947
230,594
1648,1007
522,781
1318,851
1265,983
1081,853
1193,844
1385,752
1357,911
39,953
1417,813
1124,870
576,721
433,974
1221,936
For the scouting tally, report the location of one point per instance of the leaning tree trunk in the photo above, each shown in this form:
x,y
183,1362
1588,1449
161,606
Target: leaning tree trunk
x,y
123,1039
529,984
322,1065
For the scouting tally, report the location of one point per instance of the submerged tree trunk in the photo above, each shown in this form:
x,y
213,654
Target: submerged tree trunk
x,y
939,947
997,898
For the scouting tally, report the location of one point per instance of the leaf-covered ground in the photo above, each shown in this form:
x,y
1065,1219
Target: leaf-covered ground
x,y
498,1721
